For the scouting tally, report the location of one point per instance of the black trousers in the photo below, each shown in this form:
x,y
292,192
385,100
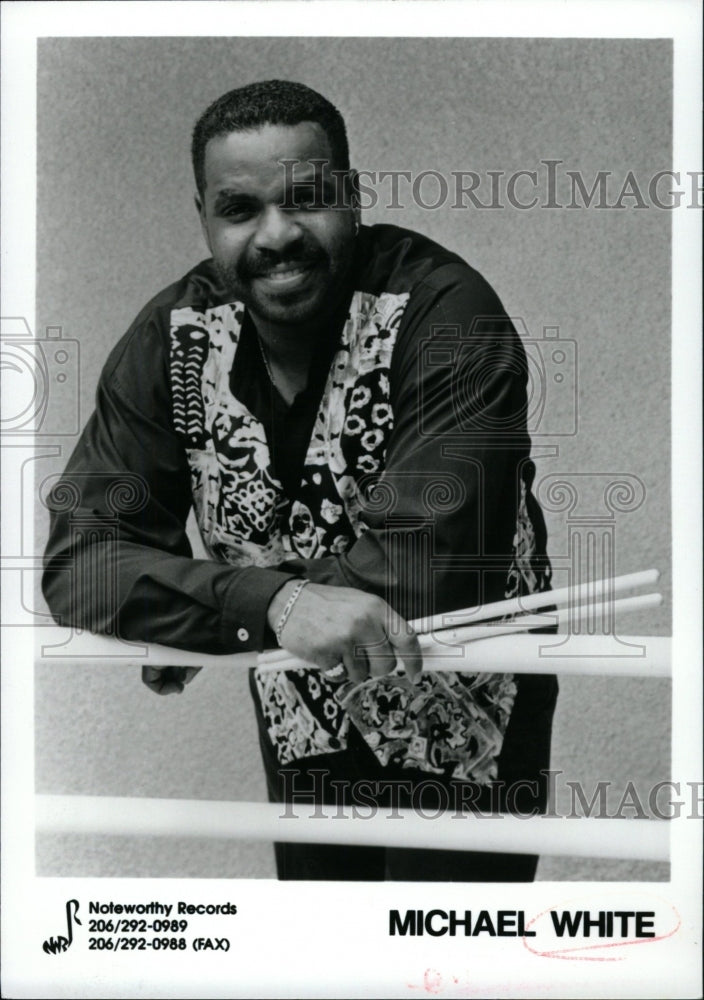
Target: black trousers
x,y
355,777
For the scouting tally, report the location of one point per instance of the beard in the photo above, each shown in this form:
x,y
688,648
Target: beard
x,y
307,300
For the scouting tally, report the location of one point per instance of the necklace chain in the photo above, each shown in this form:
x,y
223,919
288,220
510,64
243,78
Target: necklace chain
x,y
266,361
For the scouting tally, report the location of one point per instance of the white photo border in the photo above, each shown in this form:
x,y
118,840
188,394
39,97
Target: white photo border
x,y
306,957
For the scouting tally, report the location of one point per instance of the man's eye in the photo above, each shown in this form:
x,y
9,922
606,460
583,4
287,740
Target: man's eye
x,y
237,213
235,209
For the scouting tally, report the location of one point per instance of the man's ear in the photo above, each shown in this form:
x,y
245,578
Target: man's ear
x,y
203,224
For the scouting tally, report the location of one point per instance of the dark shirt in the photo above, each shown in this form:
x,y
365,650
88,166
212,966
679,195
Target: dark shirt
x,y
288,426
459,417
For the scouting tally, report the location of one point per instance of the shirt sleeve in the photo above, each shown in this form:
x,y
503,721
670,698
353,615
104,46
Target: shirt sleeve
x,y
442,517
118,560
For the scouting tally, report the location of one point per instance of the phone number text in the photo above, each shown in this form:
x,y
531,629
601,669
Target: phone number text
x,y
136,944
136,926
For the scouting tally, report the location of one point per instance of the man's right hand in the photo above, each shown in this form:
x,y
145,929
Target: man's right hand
x,y
331,625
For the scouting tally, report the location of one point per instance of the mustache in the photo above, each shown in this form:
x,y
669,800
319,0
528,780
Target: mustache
x,y
262,263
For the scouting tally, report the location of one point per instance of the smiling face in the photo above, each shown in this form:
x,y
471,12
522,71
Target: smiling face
x,y
275,247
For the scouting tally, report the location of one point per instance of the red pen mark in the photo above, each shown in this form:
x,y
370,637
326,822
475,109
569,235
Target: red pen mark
x,y
432,981
452,986
569,953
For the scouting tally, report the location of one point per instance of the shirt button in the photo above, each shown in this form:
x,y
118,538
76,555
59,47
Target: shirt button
x,y
242,634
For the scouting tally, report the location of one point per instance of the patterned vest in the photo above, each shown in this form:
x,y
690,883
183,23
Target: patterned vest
x,y
450,724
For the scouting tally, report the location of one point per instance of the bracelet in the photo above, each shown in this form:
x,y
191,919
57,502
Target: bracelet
x,y
296,593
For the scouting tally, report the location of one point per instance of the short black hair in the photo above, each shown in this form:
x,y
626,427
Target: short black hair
x,y
270,102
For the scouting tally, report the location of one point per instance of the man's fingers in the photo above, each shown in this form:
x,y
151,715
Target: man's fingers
x,y
381,658
168,680
356,663
170,687
407,648
358,629
378,655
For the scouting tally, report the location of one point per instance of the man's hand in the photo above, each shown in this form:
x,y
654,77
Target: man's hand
x,y
168,680
331,625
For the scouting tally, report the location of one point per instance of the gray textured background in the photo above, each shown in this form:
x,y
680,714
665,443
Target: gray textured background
x,y
116,223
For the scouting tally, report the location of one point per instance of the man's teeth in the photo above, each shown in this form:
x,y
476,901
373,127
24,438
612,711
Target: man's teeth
x,y
280,274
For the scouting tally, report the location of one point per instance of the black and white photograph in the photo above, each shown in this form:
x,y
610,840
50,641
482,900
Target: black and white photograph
x,y
351,463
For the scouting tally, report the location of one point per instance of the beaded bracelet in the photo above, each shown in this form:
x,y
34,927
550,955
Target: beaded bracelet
x,y
296,593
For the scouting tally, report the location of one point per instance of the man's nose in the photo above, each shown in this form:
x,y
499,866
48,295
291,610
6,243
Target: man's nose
x,y
277,229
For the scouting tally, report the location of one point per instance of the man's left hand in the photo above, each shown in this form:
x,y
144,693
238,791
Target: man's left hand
x,y
168,680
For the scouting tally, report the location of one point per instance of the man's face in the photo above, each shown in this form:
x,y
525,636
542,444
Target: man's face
x,y
288,265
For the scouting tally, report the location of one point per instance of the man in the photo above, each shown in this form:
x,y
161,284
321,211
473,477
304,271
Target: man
x,y
344,408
